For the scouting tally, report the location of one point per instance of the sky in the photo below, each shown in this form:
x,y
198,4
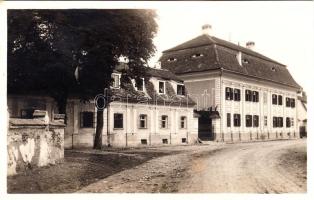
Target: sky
x,y
283,31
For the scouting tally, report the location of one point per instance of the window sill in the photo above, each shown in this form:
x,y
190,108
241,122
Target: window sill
x,y
118,128
142,128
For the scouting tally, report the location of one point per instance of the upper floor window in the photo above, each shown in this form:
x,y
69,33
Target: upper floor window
x,y
236,120
116,80
279,100
183,122
197,55
237,94
172,59
180,89
292,103
288,103
117,120
274,99
164,121
87,119
229,93
255,120
161,86
255,96
143,121
248,95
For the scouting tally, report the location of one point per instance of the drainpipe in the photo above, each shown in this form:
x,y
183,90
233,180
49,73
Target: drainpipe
x,y
108,132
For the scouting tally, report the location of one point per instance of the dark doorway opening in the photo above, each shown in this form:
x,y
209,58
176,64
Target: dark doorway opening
x,y
205,127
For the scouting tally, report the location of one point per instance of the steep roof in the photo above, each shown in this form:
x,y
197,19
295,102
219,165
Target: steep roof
x,y
220,54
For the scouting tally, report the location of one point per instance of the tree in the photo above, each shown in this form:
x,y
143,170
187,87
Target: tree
x,y
92,40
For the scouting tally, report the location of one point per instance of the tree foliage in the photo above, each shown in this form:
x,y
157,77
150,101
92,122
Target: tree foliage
x,y
45,47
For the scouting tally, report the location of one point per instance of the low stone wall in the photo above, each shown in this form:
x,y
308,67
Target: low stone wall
x,y
34,143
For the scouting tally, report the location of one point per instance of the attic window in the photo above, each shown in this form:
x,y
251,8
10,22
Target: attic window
x,y
171,59
245,61
273,69
197,55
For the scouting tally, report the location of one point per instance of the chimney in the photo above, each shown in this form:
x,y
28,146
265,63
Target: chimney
x,y
207,29
250,45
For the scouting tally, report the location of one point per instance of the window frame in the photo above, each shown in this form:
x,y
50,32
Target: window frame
x,y
82,119
236,120
265,121
280,100
255,120
183,89
274,98
145,121
248,121
114,121
228,119
292,102
288,102
229,93
255,96
237,94
183,119
248,95
288,122
114,81
164,87
164,120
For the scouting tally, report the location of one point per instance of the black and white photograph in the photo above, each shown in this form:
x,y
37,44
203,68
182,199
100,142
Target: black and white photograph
x,y
206,98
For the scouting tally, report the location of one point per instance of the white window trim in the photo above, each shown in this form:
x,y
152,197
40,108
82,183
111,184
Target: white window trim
x,y
177,89
166,122
164,87
113,81
134,84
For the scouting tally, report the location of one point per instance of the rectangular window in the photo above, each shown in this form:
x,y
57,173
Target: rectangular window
x,y
236,120
280,122
180,90
288,124
248,120
255,121
274,99
143,121
275,122
183,122
27,113
292,103
117,120
164,121
140,85
116,80
87,119
279,100
265,120
228,119
161,87
265,96
288,102
248,95
229,93
237,94
255,96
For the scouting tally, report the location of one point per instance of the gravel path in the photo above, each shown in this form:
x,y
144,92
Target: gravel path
x,y
262,167
259,167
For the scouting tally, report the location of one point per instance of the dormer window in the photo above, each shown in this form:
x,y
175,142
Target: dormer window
x,y
116,80
245,61
139,86
172,59
197,55
161,87
273,69
180,89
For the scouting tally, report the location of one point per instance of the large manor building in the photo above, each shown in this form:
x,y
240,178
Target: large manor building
x,y
240,94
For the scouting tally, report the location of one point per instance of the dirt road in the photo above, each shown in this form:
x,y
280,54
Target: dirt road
x,y
266,167
259,167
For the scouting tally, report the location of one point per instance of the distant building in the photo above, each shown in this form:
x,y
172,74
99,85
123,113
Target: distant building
x,y
241,94
302,114
155,112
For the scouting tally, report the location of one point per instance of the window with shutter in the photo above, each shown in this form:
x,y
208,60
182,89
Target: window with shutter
x,y
228,119
265,121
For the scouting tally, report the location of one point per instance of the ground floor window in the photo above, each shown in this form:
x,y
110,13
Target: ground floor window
x,y
143,121
164,121
288,122
236,120
255,120
87,119
117,120
183,122
248,120
277,122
